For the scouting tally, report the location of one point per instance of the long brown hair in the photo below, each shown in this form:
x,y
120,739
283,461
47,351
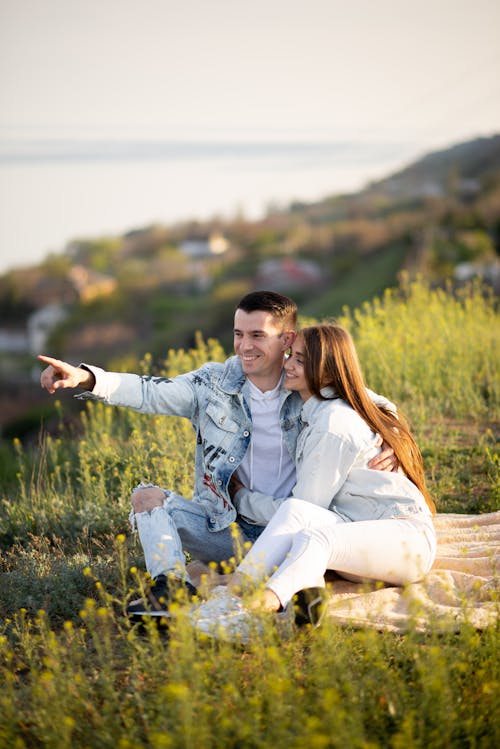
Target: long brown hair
x,y
331,360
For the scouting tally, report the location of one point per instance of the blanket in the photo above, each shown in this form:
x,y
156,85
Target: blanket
x,y
463,584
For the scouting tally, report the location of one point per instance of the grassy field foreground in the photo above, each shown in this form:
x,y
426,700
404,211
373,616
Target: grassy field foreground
x,y
73,673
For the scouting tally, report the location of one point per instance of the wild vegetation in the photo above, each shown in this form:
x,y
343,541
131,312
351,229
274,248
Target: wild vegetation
x,y
437,213
75,673
125,296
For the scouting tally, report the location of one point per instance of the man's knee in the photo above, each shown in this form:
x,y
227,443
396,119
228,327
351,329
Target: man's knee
x,y
145,500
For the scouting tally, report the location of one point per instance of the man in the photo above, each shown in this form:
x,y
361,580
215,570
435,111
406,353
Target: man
x,y
246,430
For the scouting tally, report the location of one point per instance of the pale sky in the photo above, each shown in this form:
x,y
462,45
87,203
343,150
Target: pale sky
x,y
426,72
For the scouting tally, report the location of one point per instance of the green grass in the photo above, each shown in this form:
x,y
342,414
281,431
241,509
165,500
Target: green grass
x,y
355,279
434,353
74,673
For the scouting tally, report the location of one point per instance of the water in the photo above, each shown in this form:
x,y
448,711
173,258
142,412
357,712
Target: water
x,y
53,192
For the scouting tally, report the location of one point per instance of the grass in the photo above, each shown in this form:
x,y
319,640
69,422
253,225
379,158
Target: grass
x,y
355,279
74,673
437,352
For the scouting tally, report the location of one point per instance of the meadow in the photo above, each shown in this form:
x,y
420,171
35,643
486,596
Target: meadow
x,y
75,673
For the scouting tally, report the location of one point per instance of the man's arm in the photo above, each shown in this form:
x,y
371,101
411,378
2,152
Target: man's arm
x,y
257,507
59,375
385,460
151,395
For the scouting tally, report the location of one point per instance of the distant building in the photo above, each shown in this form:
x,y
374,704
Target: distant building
x,y
204,246
489,272
288,273
89,284
13,341
40,325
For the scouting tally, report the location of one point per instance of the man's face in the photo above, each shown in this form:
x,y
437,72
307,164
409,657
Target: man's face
x,y
261,342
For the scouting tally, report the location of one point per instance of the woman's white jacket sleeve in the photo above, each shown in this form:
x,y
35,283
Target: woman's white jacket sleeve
x,y
322,469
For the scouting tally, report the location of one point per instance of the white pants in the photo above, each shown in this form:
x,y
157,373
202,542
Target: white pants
x,y
303,540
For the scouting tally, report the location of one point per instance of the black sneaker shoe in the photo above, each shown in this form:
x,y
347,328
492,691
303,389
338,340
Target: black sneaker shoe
x,y
309,606
157,598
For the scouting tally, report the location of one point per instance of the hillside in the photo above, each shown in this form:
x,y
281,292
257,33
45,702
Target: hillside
x,y
447,170
112,300
439,217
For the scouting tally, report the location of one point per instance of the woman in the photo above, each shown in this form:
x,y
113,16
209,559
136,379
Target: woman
x,y
363,524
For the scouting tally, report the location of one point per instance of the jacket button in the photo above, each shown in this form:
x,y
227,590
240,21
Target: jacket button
x,y
231,459
219,481
246,433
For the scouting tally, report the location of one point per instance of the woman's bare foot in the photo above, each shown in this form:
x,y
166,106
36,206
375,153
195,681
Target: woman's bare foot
x,y
264,600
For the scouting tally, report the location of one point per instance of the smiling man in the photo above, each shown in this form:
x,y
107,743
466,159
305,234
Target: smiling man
x,y
246,427
260,340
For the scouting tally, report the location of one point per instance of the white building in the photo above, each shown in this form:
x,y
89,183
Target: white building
x,y
40,325
203,247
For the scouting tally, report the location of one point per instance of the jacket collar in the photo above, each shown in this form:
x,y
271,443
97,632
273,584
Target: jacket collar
x,y
313,404
233,378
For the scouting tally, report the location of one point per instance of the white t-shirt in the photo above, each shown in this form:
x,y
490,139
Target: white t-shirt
x,y
267,466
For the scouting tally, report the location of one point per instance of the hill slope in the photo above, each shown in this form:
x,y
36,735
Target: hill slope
x,y
448,168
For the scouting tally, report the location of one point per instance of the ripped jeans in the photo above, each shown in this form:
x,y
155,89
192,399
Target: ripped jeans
x,y
181,525
303,540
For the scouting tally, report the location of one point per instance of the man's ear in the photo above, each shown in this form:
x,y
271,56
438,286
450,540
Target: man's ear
x,y
288,338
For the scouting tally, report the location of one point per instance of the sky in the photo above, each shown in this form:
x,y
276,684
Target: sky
x,y
375,70
373,77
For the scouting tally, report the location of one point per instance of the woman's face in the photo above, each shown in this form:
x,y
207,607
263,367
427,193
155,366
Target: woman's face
x,y
294,370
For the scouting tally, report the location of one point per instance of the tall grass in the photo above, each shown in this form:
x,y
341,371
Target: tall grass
x,y
74,673
95,682
434,352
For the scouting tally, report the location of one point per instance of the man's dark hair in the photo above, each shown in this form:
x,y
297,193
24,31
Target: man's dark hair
x,y
280,307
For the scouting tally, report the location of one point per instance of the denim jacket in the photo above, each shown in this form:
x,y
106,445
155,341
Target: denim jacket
x,y
215,399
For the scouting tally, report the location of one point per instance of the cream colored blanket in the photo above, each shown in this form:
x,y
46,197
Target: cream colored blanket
x,y
463,584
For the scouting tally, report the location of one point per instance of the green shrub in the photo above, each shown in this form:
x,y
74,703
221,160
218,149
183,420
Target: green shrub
x,y
433,352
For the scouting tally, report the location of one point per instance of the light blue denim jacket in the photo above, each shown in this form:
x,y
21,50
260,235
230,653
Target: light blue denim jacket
x,y
215,399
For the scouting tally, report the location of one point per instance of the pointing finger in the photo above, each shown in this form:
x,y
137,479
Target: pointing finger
x,y
50,360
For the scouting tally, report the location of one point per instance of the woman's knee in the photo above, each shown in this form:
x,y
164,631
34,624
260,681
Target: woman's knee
x,y
147,498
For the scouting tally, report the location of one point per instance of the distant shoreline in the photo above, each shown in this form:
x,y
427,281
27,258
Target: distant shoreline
x,y
52,192
15,151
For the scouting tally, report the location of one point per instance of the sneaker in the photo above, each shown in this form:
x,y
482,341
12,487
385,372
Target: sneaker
x,y
309,606
224,617
220,603
158,597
